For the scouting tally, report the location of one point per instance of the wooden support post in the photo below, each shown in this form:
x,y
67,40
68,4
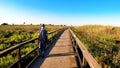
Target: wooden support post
x,y
19,57
55,35
52,38
84,62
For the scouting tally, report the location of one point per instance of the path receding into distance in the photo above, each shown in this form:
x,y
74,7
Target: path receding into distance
x,y
60,56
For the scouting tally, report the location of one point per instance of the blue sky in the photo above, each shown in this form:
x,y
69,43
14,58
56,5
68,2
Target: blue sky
x,y
69,12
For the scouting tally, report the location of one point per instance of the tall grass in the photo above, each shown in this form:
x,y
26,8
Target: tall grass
x,y
101,43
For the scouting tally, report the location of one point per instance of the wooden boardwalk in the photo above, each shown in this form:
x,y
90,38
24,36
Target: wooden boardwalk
x,y
60,56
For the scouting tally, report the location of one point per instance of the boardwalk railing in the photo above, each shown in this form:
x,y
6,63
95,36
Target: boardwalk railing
x,y
83,57
20,59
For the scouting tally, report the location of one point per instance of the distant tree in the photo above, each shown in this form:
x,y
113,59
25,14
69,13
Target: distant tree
x,y
61,25
50,24
4,24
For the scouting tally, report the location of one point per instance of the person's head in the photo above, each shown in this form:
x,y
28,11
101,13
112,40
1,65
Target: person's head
x,y
43,25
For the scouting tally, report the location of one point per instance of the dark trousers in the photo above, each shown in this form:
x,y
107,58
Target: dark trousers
x,y
42,46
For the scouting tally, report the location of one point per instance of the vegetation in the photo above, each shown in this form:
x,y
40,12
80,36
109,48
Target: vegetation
x,y
11,35
4,24
101,42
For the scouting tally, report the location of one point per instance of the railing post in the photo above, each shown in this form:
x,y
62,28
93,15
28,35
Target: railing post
x,y
84,63
52,38
19,57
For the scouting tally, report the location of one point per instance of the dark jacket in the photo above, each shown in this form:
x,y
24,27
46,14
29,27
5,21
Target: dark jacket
x,y
43,35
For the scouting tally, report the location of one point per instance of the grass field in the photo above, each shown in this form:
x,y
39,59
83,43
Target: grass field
x,y
101,43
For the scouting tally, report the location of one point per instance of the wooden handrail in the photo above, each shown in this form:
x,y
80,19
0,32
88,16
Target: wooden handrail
x,y
86,55
24,57
6,51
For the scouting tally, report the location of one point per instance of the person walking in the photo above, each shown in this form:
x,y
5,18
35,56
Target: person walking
x,y
42,39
